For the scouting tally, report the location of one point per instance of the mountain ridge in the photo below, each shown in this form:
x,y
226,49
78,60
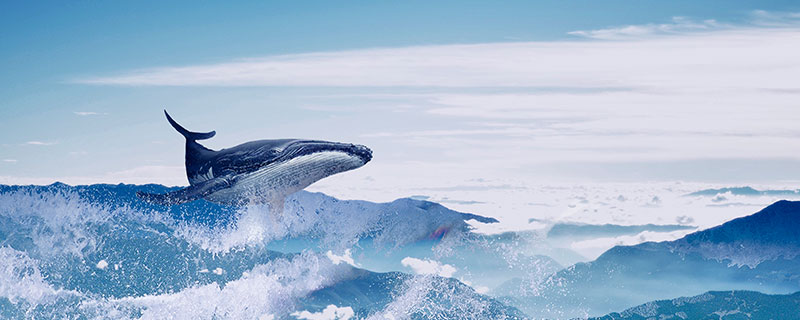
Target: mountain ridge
x,y
757,252
716,305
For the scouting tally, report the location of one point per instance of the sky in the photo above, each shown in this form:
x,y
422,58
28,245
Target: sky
x,y
452,96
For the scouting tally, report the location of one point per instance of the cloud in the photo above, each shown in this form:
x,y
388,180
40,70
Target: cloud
x,y
428,267
775,19
594,247
331,312
679,25
718,58
89,113
478,289
39,143
684,25
10,160
691,95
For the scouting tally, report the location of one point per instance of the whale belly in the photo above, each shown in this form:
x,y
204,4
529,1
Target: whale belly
x,y
279,179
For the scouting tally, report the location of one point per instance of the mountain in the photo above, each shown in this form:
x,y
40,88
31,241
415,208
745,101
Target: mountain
x,y
419,297
727,305
744,191
758,252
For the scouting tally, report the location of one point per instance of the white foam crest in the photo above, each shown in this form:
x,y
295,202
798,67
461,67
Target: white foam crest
x,y
252,227
267,289
334,224
59,222
256,225
415,298
20,279
416,289
54,221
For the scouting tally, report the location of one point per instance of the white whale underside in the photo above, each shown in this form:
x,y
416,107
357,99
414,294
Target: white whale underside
x,y
273,182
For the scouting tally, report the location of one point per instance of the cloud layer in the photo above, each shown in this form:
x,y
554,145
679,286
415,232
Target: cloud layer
x,y
684,54
679,25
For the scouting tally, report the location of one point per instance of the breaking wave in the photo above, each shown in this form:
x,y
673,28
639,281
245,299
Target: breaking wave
x,y
98,252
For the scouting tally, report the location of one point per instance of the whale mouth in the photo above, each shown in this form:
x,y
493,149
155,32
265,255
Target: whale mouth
x,y
362,152
306,147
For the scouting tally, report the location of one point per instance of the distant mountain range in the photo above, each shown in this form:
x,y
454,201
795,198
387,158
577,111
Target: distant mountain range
x,y
758,252
716,305
745,191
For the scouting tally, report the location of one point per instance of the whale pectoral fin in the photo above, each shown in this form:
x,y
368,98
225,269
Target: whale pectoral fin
x,y
188,194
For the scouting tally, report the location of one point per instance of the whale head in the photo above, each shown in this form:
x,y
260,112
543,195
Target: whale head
x,y
334,156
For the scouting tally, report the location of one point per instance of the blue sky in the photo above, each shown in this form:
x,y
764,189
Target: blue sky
x,y
83,85
48,42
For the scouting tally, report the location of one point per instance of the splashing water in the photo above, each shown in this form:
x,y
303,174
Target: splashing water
x,y
99,252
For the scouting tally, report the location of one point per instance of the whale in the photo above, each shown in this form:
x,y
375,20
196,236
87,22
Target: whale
x,y
262,171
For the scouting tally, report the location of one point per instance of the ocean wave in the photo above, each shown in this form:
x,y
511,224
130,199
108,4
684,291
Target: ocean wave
x,y
99,252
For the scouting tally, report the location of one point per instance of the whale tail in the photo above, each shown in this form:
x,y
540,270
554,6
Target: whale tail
x,y
196,154
189,135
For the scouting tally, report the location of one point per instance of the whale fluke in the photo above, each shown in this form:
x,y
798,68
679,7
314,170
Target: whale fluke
x,y
192,136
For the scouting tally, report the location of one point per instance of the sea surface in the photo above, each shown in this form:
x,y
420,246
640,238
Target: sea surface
x,y
99,252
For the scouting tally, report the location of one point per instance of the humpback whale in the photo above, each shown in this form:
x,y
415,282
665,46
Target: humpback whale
x,y
263,171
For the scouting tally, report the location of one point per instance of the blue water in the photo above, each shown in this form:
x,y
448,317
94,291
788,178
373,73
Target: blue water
x,y
99,252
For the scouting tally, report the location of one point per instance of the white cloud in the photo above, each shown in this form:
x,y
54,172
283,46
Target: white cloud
x,y
687,96
684,25
347,257
39,143
478,289
88,113
679,25
428,267
694,62
10,160
594,247
331,312
775,19
692,95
